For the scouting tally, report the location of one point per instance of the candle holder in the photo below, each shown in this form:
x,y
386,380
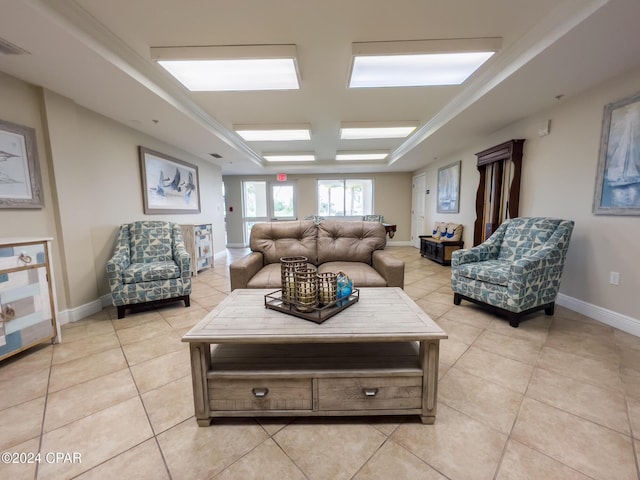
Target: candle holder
x,y
327,288
288,265
306,287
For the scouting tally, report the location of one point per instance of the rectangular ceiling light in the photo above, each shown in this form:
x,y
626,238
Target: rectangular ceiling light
x,y
361,156
289,157
368,131
418,62
231,68
273,133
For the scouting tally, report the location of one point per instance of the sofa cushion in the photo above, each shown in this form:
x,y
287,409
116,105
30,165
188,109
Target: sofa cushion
x,y
489,271
453,233
150,272
285,239
361,274
439,230
267,277
355,241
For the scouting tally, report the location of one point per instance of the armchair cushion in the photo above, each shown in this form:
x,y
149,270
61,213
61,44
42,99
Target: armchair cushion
x,y
150,242
523,236
150,272
490,271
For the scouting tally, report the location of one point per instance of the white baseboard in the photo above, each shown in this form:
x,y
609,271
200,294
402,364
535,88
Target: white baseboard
x,y
608,317
83,311
220,255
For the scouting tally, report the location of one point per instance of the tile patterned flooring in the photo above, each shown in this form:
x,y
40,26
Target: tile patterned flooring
x,y
557,398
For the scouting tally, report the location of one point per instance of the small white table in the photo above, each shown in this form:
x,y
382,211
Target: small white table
x,y
377,357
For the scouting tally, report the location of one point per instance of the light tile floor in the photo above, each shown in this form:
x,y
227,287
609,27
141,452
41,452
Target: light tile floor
x,y
556,398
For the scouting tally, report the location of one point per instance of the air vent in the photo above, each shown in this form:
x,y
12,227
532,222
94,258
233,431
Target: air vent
x,y
9,48
215,155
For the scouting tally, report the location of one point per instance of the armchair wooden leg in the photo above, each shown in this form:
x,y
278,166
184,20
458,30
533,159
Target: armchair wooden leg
x,y
549,309
187,301
457,299
121,310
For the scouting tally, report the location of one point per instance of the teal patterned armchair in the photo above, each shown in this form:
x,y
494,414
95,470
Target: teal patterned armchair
x,y
150,265
517,270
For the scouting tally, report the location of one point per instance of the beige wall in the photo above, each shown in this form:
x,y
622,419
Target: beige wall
x,y
558,180
21,104
391,191
91,182
94,174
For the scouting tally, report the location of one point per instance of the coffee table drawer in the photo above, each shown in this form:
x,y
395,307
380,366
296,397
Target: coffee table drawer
x,y
369,393
259,394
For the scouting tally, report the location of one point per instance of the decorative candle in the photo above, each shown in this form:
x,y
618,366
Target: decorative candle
x,y
288,265
306,286
327,288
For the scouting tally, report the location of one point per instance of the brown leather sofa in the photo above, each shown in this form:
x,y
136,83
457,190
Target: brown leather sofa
x,y
355,248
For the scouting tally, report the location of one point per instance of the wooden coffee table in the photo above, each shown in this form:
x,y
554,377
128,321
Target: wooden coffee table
x,y
377,357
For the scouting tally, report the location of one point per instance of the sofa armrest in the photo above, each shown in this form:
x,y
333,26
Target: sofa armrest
x,y
244,269
391,268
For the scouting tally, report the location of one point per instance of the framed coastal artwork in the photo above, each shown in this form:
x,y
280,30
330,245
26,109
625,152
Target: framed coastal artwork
x,y
169,185
20,181
617,189
449,188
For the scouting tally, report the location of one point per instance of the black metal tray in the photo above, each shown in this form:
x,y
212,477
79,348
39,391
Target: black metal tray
x,y
274,301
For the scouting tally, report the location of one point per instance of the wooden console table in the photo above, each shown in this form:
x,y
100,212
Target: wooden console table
x,y
390,228
377,357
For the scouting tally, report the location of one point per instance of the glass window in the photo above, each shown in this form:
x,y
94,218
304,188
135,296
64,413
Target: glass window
x,y
345,197
259,206
255,199
284,201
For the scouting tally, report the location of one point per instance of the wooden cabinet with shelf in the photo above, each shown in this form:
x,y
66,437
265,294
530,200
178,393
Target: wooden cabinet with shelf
x,y
27,295
198,240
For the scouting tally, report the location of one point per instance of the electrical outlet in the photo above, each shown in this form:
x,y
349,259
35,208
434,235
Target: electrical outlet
x,y
614,278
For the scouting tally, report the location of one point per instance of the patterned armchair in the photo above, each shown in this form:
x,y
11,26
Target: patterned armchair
x,y
517,270
150,265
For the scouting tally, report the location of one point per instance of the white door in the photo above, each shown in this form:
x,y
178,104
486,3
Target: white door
x,y
418,209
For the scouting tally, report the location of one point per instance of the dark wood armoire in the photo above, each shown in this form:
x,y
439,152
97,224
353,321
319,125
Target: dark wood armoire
x,y
498,196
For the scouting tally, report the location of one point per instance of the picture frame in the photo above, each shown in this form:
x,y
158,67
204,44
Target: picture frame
x,y
617,190
20,180
169,185
449,188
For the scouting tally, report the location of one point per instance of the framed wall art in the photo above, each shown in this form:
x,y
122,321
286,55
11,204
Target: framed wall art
x,y
449,188
617,189
20,181
169,185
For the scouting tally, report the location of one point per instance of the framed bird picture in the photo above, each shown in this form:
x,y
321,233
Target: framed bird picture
x,y
169,185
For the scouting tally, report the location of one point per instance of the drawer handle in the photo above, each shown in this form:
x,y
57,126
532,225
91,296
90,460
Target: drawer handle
x,y
260,392
370,392
25,258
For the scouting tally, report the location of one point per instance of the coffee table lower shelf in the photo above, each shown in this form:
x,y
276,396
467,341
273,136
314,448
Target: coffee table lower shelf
x,y
315,379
